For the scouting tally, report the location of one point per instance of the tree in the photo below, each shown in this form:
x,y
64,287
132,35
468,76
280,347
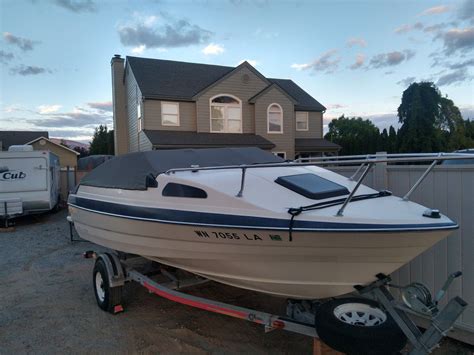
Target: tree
x,y
102,141
355,135
392,144
419,114
83,152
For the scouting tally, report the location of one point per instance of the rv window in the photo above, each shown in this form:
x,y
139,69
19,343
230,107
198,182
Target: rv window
x,y
312,186
180,190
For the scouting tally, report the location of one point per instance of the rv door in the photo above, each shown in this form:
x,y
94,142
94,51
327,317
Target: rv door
x,y
23,174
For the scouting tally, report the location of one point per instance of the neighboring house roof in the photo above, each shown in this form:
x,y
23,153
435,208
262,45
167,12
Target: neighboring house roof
x,y
315,145
305,101
50,141
8,138
182,81
184,139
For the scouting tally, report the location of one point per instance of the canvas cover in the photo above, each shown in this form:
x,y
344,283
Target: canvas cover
x,y
138,171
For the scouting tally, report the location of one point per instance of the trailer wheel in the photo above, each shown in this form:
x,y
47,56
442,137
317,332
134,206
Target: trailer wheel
x,y
358,326
107,297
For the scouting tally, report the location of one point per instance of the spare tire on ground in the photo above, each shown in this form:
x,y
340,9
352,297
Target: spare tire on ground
x,y
358,326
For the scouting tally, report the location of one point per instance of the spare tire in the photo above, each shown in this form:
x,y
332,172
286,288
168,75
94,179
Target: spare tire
x,y
358,326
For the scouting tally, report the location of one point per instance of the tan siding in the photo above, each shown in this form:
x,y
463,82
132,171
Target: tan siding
x,y
66,157
314,123
235,86
284,142
187,116
133,96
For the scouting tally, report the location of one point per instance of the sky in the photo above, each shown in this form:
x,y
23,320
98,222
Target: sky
x,y
355,57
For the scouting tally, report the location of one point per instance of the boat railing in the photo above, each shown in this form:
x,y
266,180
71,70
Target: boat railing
x,y
367,161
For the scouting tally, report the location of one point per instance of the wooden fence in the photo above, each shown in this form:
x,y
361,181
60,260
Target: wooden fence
x,y
449,188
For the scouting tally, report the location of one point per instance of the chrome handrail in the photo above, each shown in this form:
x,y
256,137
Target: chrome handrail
x,y
370,160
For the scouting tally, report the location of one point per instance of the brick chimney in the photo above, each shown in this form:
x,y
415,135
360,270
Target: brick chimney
x,y
119,105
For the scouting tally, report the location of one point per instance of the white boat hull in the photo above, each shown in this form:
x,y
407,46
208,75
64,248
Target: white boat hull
x,y
315,264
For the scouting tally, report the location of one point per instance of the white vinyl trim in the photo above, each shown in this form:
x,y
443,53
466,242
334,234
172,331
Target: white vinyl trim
x,y
225,130
169,114
306,119
268,119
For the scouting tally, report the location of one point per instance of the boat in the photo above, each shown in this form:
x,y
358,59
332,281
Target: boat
x,y
246,218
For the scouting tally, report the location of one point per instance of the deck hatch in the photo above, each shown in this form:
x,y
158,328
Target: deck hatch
x,y
312,186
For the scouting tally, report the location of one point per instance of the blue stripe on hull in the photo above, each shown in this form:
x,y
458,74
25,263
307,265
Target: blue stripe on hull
x,y
236,221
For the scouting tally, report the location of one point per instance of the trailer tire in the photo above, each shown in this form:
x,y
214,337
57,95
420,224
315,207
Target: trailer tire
x,y
358,326
107,297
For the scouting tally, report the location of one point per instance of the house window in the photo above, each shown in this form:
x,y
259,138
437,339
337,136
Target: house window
x,y
274,119
140,125
139,110
226,114
302,121
170,113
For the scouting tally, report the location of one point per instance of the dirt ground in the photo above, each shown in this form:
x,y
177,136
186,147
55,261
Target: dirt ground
x,y
47,305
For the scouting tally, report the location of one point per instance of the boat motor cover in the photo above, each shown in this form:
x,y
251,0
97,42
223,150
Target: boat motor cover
x,y
138,171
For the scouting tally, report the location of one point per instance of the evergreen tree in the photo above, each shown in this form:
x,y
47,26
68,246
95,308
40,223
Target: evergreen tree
x,y
102,141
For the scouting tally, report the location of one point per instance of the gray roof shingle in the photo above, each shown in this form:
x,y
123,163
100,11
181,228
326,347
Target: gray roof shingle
x,y
173,80
315,145
184,139
8,138
305,101
159,78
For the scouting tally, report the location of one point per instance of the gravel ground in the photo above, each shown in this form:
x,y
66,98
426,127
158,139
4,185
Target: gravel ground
x,y
47,305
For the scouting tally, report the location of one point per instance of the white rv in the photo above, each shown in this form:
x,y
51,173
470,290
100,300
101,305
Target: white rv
x,y
29,181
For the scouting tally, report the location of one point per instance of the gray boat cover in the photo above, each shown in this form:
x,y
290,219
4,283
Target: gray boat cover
x,y
138,171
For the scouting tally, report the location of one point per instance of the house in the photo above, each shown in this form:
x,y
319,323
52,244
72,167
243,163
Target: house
x,y
8,138
67,156
163,104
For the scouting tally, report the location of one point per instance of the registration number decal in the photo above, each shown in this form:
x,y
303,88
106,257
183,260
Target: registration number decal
x,y
237,236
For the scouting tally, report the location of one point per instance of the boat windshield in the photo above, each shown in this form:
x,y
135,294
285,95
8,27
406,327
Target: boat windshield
x,y
312,186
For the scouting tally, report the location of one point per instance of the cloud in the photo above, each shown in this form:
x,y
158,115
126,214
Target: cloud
x,y
77,6
407,81
213,49
467,111
5,57
174,34
409,28
46,109
384,120
25,70
335,106
24,44
103,106
356,42
455,77
466,11
252,62
139,49
458,39
327,63
79,117
435,10
359,62
390,58
435,28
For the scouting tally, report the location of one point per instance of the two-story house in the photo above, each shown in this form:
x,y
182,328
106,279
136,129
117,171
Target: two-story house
x,y
163,104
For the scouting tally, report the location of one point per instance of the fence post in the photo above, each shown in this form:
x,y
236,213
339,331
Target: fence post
x,y
380,174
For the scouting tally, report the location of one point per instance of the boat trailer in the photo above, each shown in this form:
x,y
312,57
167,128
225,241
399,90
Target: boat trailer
x,y
112,271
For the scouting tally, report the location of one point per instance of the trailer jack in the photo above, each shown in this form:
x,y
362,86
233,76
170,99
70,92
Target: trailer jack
x,y
418,299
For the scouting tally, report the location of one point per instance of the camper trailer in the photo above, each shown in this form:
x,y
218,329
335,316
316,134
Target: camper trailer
x,y
29,182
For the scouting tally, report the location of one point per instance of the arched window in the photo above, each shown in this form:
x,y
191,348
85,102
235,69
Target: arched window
x,y
274,119
226,114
